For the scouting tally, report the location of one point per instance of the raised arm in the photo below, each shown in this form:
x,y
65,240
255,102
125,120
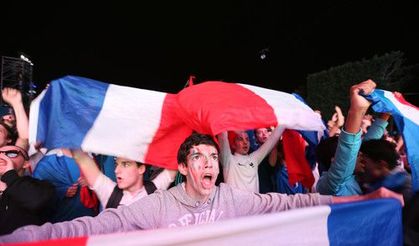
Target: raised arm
x,y
14,98
87,166
266,147
225,150
359,105
164,179
344,161
336,122
378,127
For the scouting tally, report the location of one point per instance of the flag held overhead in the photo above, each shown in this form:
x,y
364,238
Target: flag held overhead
x,y
149,126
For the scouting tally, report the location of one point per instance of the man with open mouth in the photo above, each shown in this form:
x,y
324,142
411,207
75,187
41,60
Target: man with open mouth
x,y
196,201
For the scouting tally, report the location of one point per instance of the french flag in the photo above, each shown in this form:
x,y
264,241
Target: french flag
x,y
373,222
406,118
149,126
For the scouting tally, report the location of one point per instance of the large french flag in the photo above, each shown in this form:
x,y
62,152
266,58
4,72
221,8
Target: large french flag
x,y
149,126
406,118
374,222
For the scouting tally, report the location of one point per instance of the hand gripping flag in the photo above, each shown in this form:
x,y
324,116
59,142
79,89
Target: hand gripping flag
x,y
149,126
406,118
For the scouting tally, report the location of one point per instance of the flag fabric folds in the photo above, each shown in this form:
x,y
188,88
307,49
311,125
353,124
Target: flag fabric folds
x,y
138,124
149,126
406,118
298,167
361,223
214,107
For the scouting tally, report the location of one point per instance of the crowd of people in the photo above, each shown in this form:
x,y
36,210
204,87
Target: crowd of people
x,y
61,193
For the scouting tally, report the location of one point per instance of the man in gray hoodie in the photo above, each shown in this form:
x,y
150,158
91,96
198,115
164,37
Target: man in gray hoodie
x,y
196,201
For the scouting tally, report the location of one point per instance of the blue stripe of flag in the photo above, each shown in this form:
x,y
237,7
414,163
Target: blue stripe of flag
x,y
373,222
68,110
408,129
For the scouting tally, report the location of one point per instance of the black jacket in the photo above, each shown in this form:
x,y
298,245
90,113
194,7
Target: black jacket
x,y
23,202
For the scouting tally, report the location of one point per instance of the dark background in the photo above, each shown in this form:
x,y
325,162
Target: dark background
x,y
157,45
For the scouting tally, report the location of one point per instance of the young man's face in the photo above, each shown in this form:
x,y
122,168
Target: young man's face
x,y
241,144
201,171
129,176
262,134
369,170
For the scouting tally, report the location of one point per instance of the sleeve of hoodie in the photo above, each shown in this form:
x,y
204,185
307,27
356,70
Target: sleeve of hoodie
x,y
376,130
258,155
143,214
28,192
247,203
343,164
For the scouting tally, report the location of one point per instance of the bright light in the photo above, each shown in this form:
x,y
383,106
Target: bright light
x,y
26,59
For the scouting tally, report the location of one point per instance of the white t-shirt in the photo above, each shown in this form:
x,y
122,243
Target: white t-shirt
x,y
241,171
104,187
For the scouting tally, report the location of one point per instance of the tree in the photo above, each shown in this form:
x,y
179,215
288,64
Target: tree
x,y
328,88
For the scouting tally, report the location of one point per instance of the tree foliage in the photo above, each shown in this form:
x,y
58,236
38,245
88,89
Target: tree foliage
x,y
328,88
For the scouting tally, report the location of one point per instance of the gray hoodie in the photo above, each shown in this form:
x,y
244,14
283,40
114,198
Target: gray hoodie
x,y
170,208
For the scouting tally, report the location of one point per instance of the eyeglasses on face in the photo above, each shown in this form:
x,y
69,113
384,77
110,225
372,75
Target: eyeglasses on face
x,y
10,153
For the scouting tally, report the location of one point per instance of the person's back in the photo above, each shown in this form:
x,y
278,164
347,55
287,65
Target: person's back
x,y
59,168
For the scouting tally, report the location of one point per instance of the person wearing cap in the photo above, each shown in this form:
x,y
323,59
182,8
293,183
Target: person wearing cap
x,y
22,198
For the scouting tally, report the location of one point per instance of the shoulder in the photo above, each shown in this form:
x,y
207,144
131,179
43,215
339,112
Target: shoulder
x,y
226,190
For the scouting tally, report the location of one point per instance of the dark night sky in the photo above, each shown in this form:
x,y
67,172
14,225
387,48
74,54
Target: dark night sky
x,y
158,45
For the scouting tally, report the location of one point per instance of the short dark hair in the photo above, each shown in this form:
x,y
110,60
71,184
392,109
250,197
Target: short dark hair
x,y
326,150
381,150
194,140
136,162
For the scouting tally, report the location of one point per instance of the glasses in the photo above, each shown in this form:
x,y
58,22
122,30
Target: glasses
x,y
10,153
